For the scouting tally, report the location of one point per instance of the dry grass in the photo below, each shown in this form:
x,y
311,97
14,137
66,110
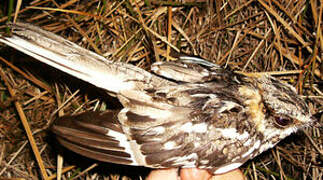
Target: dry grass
x,y
283,38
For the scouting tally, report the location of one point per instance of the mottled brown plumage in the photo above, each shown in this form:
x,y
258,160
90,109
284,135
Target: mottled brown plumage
x,y
188,113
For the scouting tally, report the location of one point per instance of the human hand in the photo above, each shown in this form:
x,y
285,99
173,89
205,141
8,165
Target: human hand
x,y
193,174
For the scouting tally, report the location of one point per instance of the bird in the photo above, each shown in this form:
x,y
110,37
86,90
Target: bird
x,y
185,113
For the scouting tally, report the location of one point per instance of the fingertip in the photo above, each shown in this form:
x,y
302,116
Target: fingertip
x,y
194,174
163,174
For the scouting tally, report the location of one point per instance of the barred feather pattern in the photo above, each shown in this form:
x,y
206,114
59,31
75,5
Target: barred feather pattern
x,y
186,113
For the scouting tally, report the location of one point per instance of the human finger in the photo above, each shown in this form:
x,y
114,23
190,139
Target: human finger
x,y
163,174
194,174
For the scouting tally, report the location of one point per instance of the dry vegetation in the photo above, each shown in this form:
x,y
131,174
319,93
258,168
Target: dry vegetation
x,y
279,37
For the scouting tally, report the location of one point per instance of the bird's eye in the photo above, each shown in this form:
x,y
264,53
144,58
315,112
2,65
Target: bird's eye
x,y
283,121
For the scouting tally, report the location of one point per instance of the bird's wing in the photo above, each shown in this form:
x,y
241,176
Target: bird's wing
x,y
134,139
96,135
155,129
67,56
189,69
149,131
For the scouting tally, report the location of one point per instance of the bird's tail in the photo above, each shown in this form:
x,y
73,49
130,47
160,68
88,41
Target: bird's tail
x,y
67,56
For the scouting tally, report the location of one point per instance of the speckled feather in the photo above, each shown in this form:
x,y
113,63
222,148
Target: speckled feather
x,y
188,113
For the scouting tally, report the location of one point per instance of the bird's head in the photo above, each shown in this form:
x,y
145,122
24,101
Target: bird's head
x,y
276,109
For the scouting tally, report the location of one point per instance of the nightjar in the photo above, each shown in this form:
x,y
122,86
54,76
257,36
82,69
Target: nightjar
x,y
187,113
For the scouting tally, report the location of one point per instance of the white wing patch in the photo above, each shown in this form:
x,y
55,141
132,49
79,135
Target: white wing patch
x,y
170,145
159,130
123,142
200,128
188,161
187,127
231,133
228,105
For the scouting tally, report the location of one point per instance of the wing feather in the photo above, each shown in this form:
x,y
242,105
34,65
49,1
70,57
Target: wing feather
x,y
96,135
188,69
105,156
